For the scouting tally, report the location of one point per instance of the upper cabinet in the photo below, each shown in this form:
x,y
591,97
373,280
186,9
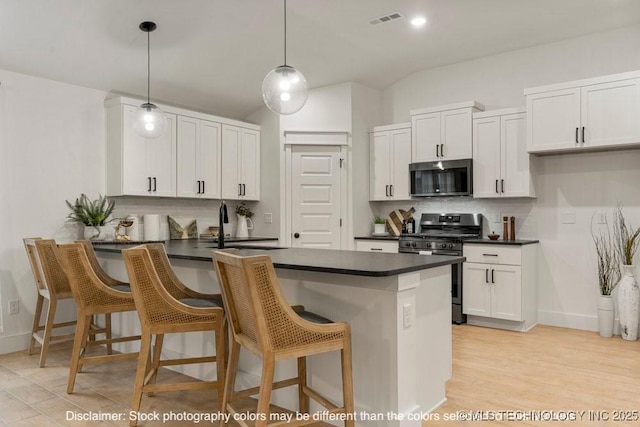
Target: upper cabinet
x,y
199,150
390,157
501,164
199,156
598,113
443,133
240,163
138,166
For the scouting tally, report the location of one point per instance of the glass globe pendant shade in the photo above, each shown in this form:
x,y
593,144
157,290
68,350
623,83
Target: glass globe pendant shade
x,y
284,90
150,122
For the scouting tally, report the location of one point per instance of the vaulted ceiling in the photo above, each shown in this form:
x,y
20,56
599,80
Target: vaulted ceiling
x,y
212,55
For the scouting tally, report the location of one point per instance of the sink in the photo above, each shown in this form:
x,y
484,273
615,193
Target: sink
x,y
252,247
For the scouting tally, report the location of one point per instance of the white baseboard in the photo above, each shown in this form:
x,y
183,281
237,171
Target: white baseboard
x,y
570,320
13,343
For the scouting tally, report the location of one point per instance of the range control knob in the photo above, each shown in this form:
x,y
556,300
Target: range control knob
x,y
443,245
450,245
428,244
407,244
413,244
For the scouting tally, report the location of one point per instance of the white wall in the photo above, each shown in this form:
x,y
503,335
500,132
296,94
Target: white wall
x,y
580,183
51,150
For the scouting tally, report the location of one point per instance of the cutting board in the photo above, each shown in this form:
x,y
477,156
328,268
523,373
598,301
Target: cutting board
x,y
395,218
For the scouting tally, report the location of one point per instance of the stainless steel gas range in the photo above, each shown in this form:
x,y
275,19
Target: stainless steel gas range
x,y
442,234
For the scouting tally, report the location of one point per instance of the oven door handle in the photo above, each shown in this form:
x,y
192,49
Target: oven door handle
x,y
448,253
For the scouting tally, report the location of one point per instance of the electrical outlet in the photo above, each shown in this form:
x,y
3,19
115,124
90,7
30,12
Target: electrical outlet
x,y
602,217
14,306
406,316
568,217
497,218
268,218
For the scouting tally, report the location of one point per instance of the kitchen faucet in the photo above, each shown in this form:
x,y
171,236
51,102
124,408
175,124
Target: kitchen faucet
x,y
222,218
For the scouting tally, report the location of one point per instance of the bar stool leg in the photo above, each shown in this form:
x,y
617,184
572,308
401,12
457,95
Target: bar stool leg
x,y
36,324
347,382
230,378
79,343
48,329
266,384
141,373
302,383
221,338
107,325
155,361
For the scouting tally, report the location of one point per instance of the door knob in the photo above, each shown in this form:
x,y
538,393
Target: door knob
x,y
296,235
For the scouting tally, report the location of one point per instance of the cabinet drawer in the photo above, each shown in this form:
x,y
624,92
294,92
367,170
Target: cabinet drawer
x,y
377,246
493,254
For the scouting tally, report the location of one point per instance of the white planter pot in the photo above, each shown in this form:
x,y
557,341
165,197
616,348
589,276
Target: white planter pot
x,y
379,228
606,316
97,232
628,304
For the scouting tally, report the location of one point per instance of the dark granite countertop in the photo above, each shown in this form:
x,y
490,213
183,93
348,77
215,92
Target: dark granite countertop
x,y
500,242
320,260
202,239
376,238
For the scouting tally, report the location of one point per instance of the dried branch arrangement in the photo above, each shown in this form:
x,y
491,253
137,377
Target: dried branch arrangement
x,y
626,237
608,259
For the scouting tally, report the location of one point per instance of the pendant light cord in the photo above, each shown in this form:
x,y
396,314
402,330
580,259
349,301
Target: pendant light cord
x,y
285,32
148,68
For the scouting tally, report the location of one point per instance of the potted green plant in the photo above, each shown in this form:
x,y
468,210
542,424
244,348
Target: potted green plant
x,y
93,214
608,276
244,214
627,241
379,225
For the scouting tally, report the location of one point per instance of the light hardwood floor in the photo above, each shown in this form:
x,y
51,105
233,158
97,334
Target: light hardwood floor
x,y
546,369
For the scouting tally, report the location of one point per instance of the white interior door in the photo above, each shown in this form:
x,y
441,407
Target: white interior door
x,y
316,196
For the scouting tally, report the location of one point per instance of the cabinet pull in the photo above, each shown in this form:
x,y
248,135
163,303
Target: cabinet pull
x,y
375,249
149,182
239,189
583,134
441,150
489,254
576,135
155,186
502,185
497,186
391,190
437,148
386,190
202,187
198,187
486,275
244,189
492,281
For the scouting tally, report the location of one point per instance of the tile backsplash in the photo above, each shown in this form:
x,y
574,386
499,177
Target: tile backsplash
x,y
492,210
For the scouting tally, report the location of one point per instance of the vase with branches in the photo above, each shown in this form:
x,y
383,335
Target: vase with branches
x,y
627,241
608,275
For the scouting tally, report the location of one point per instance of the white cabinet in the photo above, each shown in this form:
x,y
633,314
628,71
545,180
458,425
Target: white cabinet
x,y
501,164
443,133
500,285
240,163
390,158
199,154
138,166
388,246
599,113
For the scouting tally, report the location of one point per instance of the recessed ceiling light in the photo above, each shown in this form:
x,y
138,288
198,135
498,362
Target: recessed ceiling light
x,y
418,21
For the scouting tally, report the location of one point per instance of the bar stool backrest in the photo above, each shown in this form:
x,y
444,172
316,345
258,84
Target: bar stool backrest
x,y
36,269
53,277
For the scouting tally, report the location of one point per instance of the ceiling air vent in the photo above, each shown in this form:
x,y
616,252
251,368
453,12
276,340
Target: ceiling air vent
x,y
386,18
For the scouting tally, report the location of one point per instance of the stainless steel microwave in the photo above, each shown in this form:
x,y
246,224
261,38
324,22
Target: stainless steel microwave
x,y
441,178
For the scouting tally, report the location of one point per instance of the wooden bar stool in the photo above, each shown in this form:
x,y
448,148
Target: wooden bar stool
x,y
92,297
160,313
263,322
53,286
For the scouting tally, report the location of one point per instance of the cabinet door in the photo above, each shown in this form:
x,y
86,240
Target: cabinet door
x,y
506,295
136,179
514,170
380,165
188,164
231,139
554,120
456,134
250,164
161,153
486,157
425,138
400,157
610,113
476,291
209,158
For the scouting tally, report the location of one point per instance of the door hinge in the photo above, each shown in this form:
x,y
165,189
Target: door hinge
x,y
340,222
341,163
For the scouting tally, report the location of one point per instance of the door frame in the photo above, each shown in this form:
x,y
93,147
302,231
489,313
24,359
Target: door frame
x,y
315,138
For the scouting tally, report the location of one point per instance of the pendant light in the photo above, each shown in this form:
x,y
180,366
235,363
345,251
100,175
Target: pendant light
x,y
150,121
284,89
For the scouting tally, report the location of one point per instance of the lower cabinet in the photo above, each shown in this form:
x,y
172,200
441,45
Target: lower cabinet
x,y
389,246
500,286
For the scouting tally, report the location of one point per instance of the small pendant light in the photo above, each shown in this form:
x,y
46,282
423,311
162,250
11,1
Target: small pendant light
x,y
150,121
284,89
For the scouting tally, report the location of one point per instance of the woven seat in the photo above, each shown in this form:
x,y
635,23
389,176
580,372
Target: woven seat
x,y
53,286
262,322
173,285
161,313
93,297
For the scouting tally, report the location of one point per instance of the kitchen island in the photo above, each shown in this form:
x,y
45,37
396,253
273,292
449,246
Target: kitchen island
x,y
398,305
